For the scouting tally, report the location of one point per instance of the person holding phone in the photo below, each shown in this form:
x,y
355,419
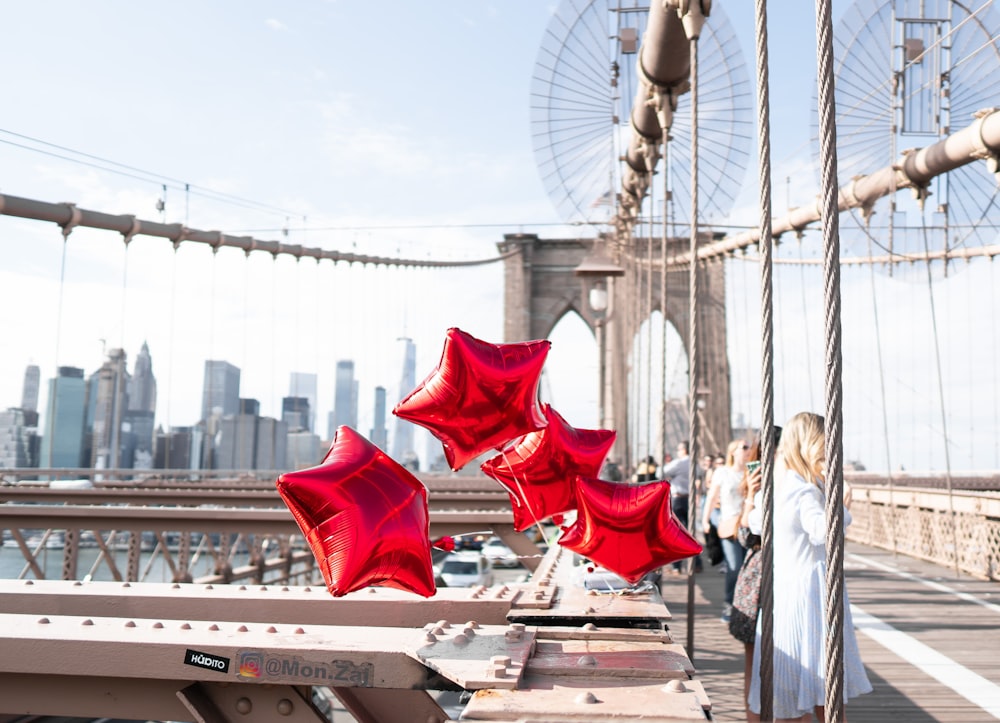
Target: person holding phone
x,y
725,489
800,531
746,596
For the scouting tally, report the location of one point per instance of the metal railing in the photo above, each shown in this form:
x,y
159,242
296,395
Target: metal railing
x,y
919,522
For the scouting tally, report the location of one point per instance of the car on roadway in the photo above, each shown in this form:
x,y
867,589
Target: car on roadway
x,y
496,551
466,569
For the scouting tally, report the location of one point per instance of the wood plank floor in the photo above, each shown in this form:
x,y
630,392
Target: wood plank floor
x,y
913,597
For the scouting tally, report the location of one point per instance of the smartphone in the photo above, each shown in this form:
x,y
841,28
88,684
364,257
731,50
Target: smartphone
x,y
752,466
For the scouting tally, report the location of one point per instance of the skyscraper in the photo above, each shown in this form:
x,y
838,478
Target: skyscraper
x,y
112,401
29,395
403,450
379,433
221,390
138,421
302,384
14,443
62,443
142,386
295,413
345,398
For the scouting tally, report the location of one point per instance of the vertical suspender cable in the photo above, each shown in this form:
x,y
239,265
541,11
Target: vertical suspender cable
x,y
766,368
649,324
885,412
834,667
51,401
940,386
693,317
663,304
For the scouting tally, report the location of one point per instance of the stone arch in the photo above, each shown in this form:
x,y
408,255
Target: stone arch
x,y
540,287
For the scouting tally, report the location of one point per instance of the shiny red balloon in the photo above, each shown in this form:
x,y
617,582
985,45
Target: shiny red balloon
x,y
539,469
364,516
629,529
479,397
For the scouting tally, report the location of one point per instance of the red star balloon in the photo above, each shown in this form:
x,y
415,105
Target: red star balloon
x,y
365,518
539,469
629,529
479,397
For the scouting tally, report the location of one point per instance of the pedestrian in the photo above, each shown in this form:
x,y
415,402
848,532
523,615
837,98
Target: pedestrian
x,y
746,596
726,490
678,473
799,630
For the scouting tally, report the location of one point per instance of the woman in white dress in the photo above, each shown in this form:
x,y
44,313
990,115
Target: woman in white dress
x,y
800,583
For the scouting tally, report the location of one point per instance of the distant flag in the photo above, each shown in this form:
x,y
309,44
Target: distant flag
x,y
603,200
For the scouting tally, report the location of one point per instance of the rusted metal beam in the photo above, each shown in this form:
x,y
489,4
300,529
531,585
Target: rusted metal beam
x,y
311,605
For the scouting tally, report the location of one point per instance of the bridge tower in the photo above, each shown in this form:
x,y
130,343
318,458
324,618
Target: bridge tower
x,y
541,286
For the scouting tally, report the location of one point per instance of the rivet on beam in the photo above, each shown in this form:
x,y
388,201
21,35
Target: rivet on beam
x,y
675,686
244,706
586,698
130,624
285,706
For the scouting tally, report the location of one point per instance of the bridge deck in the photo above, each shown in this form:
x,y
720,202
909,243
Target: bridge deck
x,y
959,618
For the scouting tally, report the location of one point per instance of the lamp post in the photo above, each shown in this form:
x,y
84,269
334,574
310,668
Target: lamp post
x,y
598,300
594,271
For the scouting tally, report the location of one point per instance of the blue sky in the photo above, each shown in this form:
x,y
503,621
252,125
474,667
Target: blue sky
x,y
339,120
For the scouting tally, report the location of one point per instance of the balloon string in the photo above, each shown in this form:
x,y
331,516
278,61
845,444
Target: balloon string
x,y
522,498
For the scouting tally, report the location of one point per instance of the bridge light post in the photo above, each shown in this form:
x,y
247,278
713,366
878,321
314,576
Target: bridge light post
x,y
594,271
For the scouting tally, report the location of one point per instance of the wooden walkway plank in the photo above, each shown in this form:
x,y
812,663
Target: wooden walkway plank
x,y
966,632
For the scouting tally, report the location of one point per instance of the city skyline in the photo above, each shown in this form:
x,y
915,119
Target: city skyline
x,y
118,407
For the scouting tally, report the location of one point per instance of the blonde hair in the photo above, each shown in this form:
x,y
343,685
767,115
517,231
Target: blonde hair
x,y
803,446
731,450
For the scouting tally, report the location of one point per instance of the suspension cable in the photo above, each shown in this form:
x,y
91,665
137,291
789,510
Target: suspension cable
x,y
940,386
766,604
885,412
663,302
693,360
649,325
834,483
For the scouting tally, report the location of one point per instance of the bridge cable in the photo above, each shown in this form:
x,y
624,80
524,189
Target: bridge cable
x,y
51,403
885,412
767,451
649,322
693,357
996,398
940,386
168,439
834,482
663,302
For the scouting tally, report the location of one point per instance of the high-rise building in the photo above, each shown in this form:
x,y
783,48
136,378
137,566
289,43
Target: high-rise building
x,y
180,448
302,384
138,420
403,449
109,412
62,441
271,444
14,439
302,450
142,386
235,441
221,391
379,434
345,398
29,395
295,413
